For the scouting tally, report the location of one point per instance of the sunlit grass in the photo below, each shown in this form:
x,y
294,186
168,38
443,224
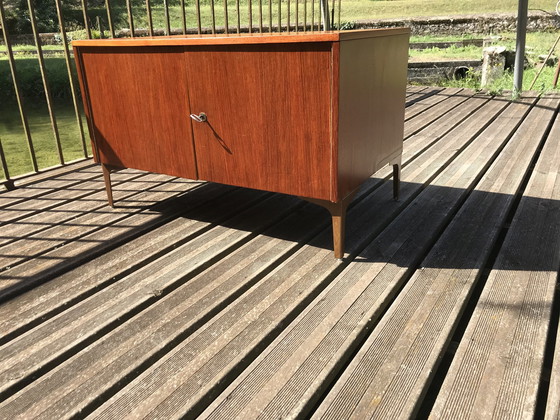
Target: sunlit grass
x,y
537,43
381,9
505,83
351,11
451,53
14,140
11,131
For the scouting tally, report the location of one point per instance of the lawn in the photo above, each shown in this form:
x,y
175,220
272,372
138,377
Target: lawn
x,y
11,132
353,10
14,141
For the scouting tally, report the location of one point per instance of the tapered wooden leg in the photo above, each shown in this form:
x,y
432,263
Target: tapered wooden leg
x,y
107,179
396,179
338,215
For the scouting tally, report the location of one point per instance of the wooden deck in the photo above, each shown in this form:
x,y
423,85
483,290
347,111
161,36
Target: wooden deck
x,y
192,299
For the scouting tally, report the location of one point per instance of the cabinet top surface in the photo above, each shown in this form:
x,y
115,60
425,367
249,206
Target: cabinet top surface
x,y
232,39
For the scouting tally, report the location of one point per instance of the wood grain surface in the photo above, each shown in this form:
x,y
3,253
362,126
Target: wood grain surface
x,y
232,39
268,113
139,108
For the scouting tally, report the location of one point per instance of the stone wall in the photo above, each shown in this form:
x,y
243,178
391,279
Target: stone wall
x,y
476,24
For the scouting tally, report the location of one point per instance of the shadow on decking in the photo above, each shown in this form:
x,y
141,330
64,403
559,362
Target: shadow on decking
x,y
361,237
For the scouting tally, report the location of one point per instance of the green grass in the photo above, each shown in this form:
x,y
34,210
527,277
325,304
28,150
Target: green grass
x,y
32,48
451,53
14,141
352,11
504,84
31,86
381,9
11,132
537,44
29,77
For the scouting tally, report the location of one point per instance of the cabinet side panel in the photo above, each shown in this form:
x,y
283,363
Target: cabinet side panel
x,y
268,110
139,108
373,74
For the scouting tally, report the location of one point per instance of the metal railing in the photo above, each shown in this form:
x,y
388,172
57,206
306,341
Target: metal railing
x,y
109,18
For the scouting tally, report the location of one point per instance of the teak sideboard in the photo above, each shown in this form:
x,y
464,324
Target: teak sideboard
x,y
312,114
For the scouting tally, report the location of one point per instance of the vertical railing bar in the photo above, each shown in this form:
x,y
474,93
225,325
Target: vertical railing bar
x,y
17,89
213,10
166,17
312,15
238,16
86,19
279,15
184,17
198,17
304,15
8,181
339,9
297,15
130,17
110,17
261,16
325,15
270,16
149,16
226,17
288,16
70,78
42,69
250,7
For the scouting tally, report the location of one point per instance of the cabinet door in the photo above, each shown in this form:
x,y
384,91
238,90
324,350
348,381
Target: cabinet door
x,y
268,115
139,108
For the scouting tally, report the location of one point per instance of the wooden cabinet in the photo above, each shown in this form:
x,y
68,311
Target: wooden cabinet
x,y
308,114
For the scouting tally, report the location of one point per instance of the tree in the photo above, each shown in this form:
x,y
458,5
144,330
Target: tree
x,y
19,22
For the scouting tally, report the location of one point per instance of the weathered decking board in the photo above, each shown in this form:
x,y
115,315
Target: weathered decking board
x,y
425,100
37,185
84,227
288,378
252,320
455,99
37,336
403,351
412,90
424,94
36,244
46,196
195,297
36,305
498,365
